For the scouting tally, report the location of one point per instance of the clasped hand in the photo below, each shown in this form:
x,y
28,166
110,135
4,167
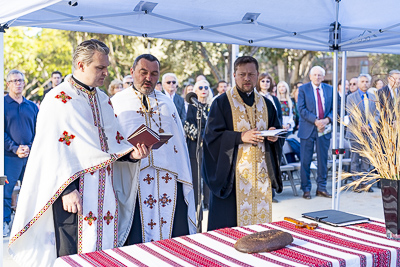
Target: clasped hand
x,y
23,151
321,124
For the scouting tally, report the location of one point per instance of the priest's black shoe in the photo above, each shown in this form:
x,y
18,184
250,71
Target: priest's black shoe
x,y
307,195
323,194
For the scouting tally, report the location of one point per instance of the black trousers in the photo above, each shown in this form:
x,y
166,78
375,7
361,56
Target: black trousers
x,y
66,229
180,226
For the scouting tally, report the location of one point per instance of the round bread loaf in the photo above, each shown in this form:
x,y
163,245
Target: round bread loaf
x,y
263,241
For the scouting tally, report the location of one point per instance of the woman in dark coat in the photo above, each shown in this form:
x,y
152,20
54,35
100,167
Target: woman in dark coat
x,y
203,92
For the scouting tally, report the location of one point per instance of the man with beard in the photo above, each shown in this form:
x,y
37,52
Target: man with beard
x,y
165,199
239,165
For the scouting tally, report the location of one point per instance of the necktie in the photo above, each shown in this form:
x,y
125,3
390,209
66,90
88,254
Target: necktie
x,y
366,107
320,108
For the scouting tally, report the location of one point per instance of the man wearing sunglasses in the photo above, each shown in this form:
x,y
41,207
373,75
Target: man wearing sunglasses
x,y
353,85
127,81
239,165
170,85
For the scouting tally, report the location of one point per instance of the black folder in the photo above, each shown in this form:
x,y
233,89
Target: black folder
x,y
335,217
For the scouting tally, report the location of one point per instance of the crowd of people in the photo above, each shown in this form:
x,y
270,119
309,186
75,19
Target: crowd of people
x,y
86,188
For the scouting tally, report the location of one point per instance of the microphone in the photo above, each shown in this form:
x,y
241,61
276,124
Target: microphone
x,y
191,98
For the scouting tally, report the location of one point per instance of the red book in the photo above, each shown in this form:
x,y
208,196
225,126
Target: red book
x,y
145,135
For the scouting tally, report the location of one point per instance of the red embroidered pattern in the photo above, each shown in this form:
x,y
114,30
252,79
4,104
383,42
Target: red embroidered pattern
x,y
235,261
152,224
101,190
166,178
100,258
158,255
63,97
150,201
108,218
162,221
65,138
90,218
113,158
187,254
148,179
119,137
109,102
128,257
165,200
80,217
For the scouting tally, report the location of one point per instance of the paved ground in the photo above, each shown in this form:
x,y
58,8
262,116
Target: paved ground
x,y
368,204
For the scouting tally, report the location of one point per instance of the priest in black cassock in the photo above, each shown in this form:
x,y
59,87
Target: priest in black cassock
x,y
239,165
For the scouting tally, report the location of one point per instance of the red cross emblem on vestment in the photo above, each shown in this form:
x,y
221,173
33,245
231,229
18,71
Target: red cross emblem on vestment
x,y
90,218
109,102
150,201
165,200
148,179
162,221
141,112
65,138
119,137
108,218
166,178
151,224
63,97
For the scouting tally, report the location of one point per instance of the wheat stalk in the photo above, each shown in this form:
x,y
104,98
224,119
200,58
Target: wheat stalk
x,y
379,145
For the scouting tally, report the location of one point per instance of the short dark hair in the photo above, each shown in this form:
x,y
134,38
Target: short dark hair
x,y
245,60
148,57
56,72
221,81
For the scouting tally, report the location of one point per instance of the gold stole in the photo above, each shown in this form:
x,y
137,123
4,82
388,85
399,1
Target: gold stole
x,y
253,186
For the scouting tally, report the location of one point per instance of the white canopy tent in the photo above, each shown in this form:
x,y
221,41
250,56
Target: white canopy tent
x,y
358,25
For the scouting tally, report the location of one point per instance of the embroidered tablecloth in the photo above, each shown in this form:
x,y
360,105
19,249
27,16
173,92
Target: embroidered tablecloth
x,y
357,245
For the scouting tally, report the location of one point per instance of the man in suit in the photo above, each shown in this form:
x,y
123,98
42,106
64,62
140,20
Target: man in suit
x,y
364,101
170,84
390,91
315,108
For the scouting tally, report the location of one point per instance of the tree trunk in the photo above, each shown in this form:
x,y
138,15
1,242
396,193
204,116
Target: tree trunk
x,y
214,70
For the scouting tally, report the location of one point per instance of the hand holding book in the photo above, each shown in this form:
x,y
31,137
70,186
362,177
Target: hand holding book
x,y
148,137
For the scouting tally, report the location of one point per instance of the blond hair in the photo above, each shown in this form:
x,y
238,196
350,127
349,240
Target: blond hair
x,y
84,51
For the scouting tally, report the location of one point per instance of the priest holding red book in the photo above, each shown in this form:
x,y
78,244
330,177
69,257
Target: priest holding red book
x,y
165,198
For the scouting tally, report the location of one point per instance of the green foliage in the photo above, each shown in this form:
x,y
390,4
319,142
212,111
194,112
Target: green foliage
x,y
36,55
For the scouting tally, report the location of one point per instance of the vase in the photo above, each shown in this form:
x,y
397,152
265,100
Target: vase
x,y
391,207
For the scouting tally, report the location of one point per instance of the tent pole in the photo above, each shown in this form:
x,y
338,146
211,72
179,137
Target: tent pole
x,y
1,139
334,124
235,54
342,113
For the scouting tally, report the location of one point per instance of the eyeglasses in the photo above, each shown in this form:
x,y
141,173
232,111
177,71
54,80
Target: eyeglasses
x,y
201,87
16,81
353,84
265,81
173,82
130,83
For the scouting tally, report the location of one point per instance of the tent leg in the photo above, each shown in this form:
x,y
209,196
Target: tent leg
x,y
235,54
334,124
342,113
1,140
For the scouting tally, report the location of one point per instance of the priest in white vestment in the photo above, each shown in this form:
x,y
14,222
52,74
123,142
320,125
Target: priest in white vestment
x,y
68,201
165,199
